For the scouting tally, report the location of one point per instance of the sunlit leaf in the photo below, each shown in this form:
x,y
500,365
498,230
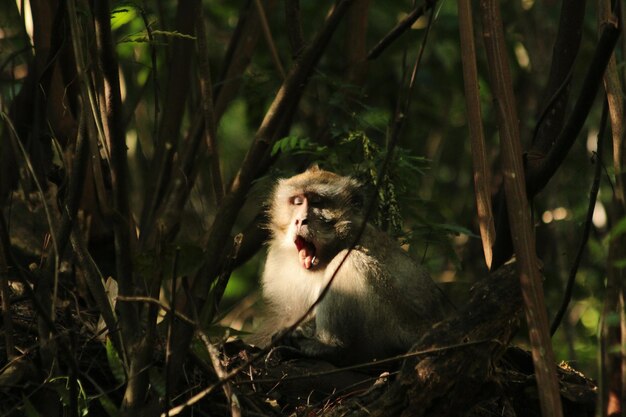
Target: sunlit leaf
x,y
122,15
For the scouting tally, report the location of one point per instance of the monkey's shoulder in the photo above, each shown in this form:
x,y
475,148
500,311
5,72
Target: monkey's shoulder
x,y
382,248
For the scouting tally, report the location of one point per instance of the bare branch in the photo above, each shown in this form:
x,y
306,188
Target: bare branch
x,y
519,211
474,120
293,22
286,98
208,111
267,34
169,129
112,118
400,28
593,196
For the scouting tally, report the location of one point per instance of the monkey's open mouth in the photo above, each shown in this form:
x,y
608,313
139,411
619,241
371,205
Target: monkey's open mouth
x,y
306,252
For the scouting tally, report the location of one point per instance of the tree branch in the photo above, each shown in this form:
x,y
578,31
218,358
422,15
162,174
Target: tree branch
x,y
286,98
543,167
593,195
474,120
208,111
112,117
400,28
177,89
519,210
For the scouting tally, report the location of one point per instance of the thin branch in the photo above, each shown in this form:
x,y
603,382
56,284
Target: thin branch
x,y
95,284
87,89
293,22
482,175
74,189
112,117
556,94
7,318
396,129
519,211
158,303
208,111
400,28
541,168
177,90
613,370
373,364
613,87
228,377
286,98
43,282
64,350
267,34
355,43
238,55
153,70
220,371
170,329
539,177
593,196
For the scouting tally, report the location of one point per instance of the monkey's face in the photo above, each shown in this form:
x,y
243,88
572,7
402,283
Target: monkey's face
x,y
313,214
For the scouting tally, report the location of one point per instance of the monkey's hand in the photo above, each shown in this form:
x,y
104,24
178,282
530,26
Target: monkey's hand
x,y
291,339
286,344
309,343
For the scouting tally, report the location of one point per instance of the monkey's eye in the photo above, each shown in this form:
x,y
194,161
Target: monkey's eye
x,y
297,200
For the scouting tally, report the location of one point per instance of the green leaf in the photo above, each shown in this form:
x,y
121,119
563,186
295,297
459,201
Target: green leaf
x,y
61,386
115,363
173,34
108,406
295,145
123,14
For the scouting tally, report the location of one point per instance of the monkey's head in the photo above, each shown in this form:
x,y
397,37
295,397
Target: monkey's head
x,y
315,213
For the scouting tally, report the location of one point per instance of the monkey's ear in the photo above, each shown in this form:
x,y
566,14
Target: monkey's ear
x,y
313,168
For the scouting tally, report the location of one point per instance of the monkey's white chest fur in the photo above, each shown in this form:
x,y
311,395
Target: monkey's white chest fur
x,y
289,288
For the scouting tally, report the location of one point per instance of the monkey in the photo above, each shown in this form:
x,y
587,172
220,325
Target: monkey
x,y
380,301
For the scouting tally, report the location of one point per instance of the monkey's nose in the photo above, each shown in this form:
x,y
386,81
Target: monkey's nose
x,y
301,222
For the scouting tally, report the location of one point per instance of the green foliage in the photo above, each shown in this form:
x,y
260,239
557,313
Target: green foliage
x,y
297,146
108,406
61,386
123,14
424,198
115,363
